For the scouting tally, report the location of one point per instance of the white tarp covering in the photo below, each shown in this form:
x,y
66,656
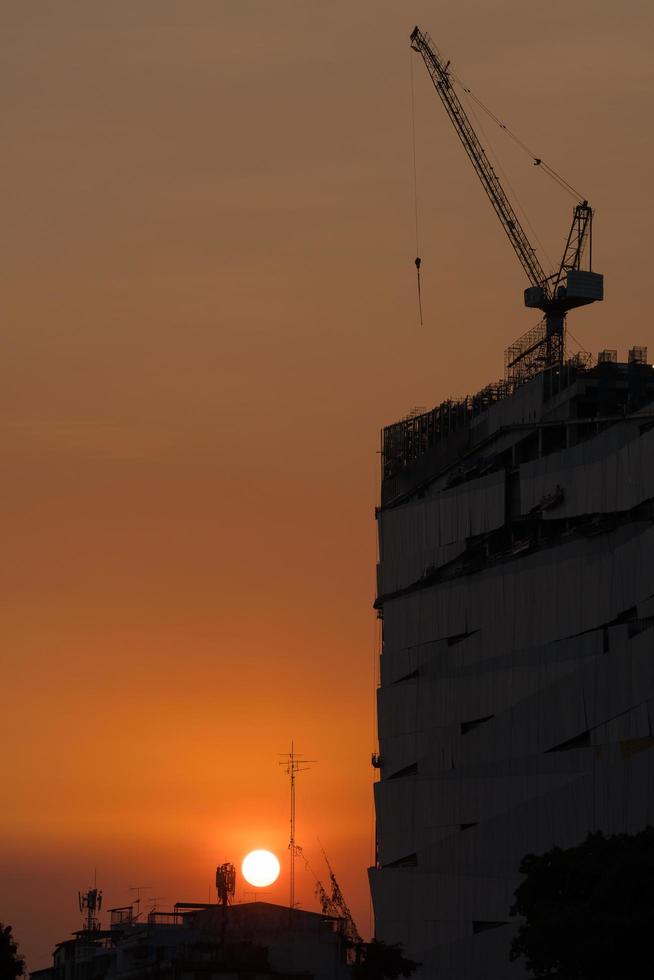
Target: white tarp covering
x,y
517,704
597,477
431,531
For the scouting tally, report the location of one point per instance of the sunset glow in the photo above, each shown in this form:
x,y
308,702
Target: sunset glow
x,y
260,868
209,313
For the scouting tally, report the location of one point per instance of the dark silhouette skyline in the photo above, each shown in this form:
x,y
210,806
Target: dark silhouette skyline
x,y
209,312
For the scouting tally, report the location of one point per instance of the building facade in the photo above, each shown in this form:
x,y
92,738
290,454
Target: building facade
x,y
516,706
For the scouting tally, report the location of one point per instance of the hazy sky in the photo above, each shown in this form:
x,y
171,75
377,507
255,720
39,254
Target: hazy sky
x,y
208,303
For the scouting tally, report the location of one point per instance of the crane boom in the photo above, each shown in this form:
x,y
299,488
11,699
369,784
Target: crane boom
x,y
515,232
335,904
569,286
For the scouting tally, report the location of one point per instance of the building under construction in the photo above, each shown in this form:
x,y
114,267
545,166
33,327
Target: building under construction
x,y
516,590
516,708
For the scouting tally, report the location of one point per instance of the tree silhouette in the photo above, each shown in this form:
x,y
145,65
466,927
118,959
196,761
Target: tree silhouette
x,y
382,961
589,909
11,964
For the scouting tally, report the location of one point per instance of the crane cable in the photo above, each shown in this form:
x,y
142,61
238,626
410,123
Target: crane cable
x,y
415,188
507,180
537,161
577,342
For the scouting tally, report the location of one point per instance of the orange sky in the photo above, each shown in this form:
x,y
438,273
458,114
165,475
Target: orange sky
x,y
208,313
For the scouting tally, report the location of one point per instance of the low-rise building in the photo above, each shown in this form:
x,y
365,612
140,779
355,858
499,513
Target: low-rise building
x,y
255,940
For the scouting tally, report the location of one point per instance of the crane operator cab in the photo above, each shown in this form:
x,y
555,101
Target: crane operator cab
x,y
579,289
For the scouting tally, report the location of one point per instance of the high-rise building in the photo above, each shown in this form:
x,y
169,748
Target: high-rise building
x,y
516,706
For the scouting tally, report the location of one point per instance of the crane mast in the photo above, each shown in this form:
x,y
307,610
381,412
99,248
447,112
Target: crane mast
x,y
569,286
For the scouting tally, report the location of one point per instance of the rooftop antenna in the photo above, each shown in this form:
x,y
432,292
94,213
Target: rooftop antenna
x,y
225,888
225,883
293,764
137,901
90,902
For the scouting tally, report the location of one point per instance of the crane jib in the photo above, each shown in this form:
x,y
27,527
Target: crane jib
x,y
568,286
477,155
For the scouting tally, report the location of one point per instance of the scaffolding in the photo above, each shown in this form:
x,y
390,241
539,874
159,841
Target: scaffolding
x,y
404,442
529,355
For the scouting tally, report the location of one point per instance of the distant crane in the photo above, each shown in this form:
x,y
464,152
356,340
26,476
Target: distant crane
x,y
566,288
333,903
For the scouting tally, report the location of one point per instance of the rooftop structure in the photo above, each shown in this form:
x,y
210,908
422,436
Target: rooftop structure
x,y
201,941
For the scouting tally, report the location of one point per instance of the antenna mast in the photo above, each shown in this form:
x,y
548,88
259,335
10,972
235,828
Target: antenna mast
x,y
293,764
137,901
225,883
90,903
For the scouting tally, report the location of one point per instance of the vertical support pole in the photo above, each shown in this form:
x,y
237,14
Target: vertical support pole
x,y
590,242
555,338
291,901
292,765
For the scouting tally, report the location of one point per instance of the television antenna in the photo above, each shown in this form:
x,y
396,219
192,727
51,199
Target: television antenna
x,y
137,901
293,764
153,901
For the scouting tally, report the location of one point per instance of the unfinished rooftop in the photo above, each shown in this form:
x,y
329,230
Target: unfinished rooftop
x,y
513,421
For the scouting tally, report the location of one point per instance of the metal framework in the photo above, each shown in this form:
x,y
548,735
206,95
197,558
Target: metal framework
x,y
90,903
333,903
581,232
553,294
225,883
439,73
406,441
293,764
527,356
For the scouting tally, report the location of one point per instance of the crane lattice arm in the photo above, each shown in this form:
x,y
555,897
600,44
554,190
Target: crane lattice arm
x,y
581,231
335,904
515,232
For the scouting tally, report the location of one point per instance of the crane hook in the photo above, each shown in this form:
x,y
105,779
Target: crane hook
x,y
418,263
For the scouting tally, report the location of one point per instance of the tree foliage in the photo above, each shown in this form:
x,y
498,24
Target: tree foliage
x,y
11,964
383,961
589,909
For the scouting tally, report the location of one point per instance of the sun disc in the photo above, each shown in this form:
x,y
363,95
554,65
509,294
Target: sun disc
x,y
260,868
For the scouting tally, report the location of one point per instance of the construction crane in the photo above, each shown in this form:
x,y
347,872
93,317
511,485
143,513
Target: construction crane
x,y
566,288
333,903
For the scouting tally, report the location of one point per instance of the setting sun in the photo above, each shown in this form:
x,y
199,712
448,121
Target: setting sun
x,y
260,868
